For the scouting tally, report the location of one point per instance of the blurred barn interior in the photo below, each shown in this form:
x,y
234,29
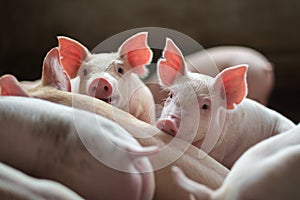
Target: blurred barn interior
x,y
29,30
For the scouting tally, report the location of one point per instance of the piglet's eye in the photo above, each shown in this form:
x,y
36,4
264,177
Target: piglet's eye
x,y
85,72
120,70
171,95
205,107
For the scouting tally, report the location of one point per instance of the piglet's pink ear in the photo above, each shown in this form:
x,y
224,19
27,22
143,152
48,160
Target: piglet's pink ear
x,y
171,65
10,86
234,84
53,73
136,53
72,54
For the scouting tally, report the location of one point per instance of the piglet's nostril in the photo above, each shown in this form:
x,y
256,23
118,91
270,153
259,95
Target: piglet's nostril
x,y
106,88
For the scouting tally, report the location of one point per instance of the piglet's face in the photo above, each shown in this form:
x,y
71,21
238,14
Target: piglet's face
x,y
184,111
197,103
100,77
106,76
181,113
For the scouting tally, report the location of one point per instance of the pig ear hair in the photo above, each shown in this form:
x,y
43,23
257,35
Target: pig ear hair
x,y
233,81
72,54
198,190
10,86
53,73
136,53
171,64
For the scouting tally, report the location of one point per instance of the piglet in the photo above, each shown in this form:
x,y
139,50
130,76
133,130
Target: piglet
x,y
213,113
54,87
112,77
260,74
90,154
268,170
16,185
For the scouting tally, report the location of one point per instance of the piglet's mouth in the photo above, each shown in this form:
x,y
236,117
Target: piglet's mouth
x,y
108,100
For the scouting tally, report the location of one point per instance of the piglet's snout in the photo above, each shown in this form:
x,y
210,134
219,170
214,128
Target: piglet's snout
x,y
168,125
100,88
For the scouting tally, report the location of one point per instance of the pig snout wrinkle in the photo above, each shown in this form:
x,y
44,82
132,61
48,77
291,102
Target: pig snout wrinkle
x,y
100,88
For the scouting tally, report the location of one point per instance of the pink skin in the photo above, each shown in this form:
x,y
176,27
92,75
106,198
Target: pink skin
x,y
136,170
30,84
206,169
53,75
169,125
213,113
100,88
16,185
260,75
277,160
65,151
112,77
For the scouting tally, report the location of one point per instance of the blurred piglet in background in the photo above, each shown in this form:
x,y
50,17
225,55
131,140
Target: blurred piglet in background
x,y
112,77
53,77
260,74
268,170
213,113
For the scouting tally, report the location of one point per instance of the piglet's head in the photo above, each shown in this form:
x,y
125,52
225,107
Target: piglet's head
x,y
173,76
53,76
196,98
106,76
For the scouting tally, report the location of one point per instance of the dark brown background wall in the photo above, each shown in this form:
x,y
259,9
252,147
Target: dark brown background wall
x,y
29,30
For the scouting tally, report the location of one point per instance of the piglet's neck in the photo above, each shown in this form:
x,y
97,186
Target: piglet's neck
x,y
247,118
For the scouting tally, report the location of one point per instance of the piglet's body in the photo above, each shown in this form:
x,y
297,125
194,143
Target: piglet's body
x,y
19,186
60,143
260,75
249,123
112,77
268,170
213,113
